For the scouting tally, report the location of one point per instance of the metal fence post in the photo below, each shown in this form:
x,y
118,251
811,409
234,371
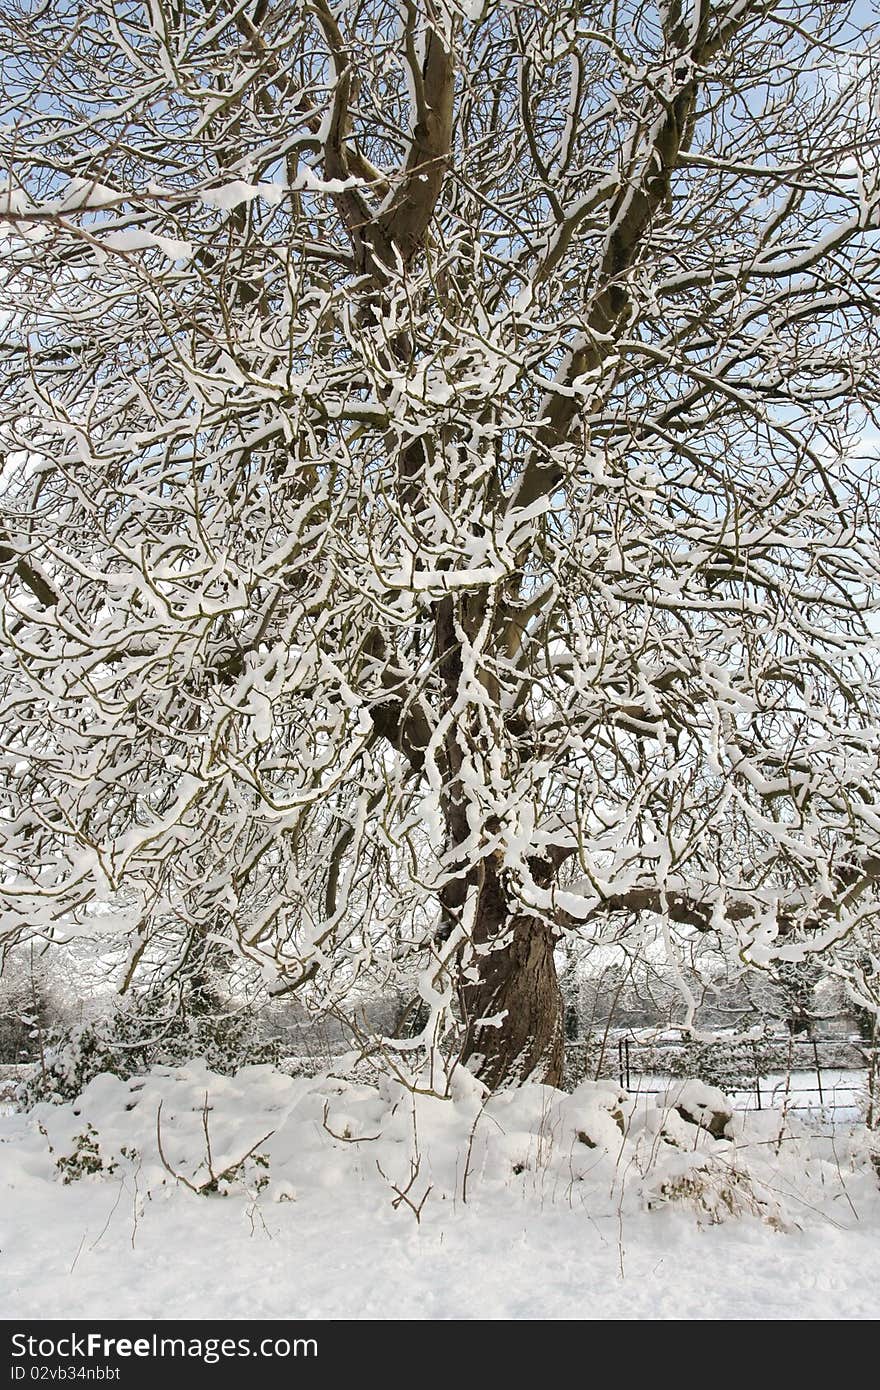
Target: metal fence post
x,y
818,1071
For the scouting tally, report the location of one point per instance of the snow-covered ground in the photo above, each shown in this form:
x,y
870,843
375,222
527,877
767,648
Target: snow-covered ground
x,y
269,1196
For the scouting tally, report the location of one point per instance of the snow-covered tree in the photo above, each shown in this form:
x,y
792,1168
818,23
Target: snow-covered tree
x,y
437,515
26,1008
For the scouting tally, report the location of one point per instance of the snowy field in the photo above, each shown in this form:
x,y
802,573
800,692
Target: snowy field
x,y
318,1198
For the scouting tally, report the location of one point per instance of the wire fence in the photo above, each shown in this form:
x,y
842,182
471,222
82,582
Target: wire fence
x,y
834,1075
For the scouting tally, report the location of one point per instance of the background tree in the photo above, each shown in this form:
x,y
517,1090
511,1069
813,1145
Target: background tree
x,y
27,1009
433,515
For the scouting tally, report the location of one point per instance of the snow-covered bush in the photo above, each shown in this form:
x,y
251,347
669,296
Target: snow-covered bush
x,y
85,1158
144,1030
727,1063
272,1137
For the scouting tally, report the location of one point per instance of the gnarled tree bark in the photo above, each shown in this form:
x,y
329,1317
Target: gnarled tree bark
x,y
512,1010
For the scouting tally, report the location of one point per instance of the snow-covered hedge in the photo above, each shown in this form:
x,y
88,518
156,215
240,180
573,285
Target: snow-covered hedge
x,y
268,1136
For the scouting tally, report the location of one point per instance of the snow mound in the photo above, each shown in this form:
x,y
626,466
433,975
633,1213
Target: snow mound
x,y
270,1137
701,1105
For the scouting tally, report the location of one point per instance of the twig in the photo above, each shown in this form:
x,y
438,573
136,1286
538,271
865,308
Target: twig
x,y
213,1178
347,1138
110,1217
178,1177
402,1193
467,1161
78,1252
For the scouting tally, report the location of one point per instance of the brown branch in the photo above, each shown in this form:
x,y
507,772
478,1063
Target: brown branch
x,y
630,217
404,224
851,882
39,586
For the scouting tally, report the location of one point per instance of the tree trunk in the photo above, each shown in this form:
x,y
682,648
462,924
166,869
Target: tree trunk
x,y
517,988
516,984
